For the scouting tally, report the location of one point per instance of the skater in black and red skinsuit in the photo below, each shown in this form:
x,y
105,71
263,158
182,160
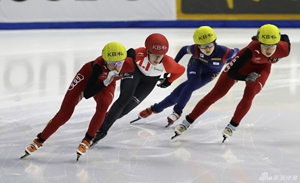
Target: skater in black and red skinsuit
x,y
151,63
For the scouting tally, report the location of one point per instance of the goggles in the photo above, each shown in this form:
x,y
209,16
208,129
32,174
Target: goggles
x,y
204,46
156,56
119,63
268,46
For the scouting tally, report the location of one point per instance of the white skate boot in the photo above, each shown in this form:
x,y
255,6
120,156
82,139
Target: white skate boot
x,y
228,131
172,118
181,128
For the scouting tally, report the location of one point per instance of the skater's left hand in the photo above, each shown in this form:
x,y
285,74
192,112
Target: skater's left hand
x,y
164,83
252,77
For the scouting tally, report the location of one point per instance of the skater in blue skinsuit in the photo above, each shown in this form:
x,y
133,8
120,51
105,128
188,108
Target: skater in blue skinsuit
x,y
206,62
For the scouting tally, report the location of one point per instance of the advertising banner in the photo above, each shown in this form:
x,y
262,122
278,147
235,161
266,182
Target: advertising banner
x,y
238,10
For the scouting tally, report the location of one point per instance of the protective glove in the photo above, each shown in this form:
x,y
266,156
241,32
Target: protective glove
x,y
254,38
285,38
131,53
110,77
252,77
166,75
164,83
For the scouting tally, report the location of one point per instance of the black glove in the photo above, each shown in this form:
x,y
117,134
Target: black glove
x,y
166,75
285,38
254,38
252,77
131,53
164,83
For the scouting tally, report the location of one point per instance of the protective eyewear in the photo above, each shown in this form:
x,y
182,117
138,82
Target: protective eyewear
x,y
204,46
268,46
119,63
156,56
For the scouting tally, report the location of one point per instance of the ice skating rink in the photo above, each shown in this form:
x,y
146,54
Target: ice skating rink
x,y
37,66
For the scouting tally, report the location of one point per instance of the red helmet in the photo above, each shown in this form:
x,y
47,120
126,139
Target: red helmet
x,y
157,44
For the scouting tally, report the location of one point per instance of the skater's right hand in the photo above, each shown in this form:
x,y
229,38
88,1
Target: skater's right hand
x,y
111,75
131,53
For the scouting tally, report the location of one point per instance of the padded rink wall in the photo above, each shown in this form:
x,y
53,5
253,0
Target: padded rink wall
x,y
54,14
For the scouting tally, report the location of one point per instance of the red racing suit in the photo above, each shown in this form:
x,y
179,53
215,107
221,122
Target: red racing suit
x,y
248,60
103,95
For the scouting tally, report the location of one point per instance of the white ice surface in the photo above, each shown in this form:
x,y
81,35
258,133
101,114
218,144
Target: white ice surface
x,y
36,67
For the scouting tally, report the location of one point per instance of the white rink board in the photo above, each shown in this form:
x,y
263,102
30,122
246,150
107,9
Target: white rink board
x,y
85,10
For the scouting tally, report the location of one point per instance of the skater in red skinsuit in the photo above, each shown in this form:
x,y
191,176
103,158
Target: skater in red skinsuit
x,y
95,79
253,65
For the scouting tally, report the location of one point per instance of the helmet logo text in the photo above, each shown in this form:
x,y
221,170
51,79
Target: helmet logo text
x,y
266,36
205,36
159,47
113,54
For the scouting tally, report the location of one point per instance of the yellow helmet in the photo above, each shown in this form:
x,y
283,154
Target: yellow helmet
x,y
114,52
268,34
204,35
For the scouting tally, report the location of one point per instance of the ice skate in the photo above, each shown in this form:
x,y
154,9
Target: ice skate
x,y
181,128
172,118
31,148
143,114
82,148
99,135
228,131
146,112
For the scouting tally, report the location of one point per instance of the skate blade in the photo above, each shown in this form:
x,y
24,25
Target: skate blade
x,y
78,156
135,120
176,135
26,154
169,124
224,138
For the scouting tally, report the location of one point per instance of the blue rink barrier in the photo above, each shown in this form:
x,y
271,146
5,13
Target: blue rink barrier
x,y
150,24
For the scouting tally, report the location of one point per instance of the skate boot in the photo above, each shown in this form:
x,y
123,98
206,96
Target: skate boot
x,y
99,135
144,114
31,148
181,128
228,131
82,148
172,118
